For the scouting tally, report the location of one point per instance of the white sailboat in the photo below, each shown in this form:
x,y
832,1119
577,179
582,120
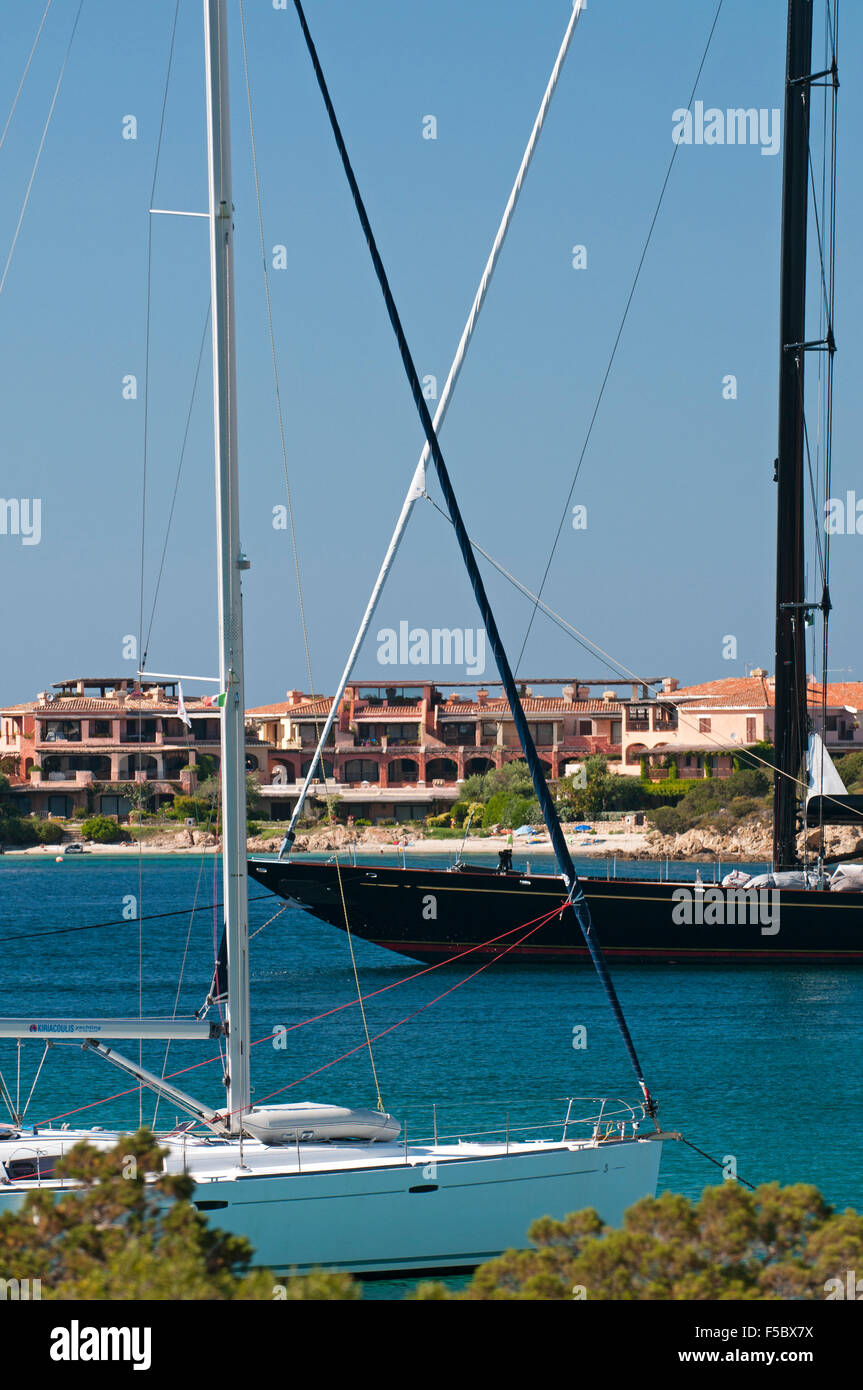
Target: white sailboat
x,y
312,1185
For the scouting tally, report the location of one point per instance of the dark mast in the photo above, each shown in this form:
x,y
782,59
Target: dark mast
x,y
791,726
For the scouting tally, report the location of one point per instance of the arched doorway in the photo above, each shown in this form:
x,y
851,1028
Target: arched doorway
x,y
477,767
402,770
441,770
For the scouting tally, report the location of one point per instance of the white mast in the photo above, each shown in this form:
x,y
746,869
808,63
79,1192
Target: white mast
x,y
230,563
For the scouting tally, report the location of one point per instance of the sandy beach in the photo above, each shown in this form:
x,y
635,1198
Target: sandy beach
x,y
602,845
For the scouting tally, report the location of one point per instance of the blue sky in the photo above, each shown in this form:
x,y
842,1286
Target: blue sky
x,y
679,548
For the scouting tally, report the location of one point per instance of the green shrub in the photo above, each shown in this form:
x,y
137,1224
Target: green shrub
x,y
15,830
50,832
103,830
666,820
511,811
850,768
195,808
666,792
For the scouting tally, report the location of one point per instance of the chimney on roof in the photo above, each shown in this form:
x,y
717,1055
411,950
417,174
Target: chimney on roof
x,y
295,697
453,699
43,697
758,671
669,683
482,697
569,693
608,695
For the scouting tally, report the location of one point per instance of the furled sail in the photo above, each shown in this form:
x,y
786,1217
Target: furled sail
x,y
824,780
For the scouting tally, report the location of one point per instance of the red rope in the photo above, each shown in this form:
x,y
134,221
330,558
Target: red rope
x,y
351,1003
407,1018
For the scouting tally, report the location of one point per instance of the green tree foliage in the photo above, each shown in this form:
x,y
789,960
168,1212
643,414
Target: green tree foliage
x,y
586,802
195,808
716,801
257,805
850,769
513,778
510,810
115,1236
774,1243
103,830
14,830
50,832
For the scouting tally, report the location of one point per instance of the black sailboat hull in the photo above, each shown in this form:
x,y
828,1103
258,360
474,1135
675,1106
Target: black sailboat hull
x,y
434,914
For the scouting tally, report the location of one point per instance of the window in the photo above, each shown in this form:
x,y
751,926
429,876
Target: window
x,y
100,728
141,731
402,733
750,731
704,726
457,733
585,728
665,716
542,733
489,728
310,733
638,717
62,731
360,770
60,806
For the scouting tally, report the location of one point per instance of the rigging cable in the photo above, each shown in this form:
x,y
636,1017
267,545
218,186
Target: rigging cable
x,y
41,146
417,486
360,1000
327,1013
24,73
619,667
579,903
145,459
618,337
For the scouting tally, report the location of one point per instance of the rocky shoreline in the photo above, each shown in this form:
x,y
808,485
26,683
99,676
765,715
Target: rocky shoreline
x,y
750,841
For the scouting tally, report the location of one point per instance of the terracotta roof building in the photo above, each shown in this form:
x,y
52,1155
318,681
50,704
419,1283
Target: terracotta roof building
x,y
697,727
82,745
398,751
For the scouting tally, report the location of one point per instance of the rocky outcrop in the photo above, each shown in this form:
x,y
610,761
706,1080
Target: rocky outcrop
x,y
339,837
750,840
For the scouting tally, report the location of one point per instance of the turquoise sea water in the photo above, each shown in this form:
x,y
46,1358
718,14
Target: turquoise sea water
x,y
757,1062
